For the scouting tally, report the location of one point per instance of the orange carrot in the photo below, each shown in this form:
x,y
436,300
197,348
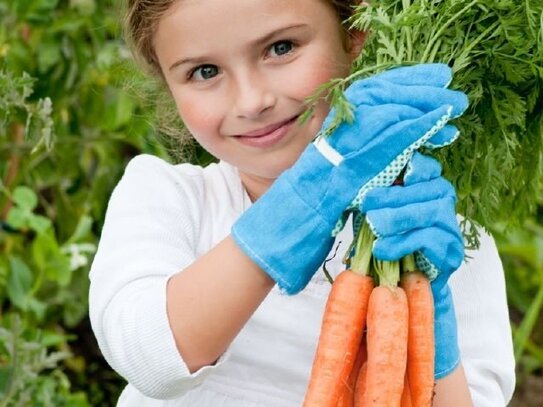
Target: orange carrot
x,y
420,345
406,395
339,340
360,387
386,341
347,397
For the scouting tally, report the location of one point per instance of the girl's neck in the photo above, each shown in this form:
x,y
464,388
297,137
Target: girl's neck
x,y
255,186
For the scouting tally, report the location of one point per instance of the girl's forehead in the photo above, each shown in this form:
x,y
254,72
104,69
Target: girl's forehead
x,y
195,23
225,11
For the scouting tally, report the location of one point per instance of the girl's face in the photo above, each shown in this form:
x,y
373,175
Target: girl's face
x,y
239,71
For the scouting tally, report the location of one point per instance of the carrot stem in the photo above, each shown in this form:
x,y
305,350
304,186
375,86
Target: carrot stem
x,y
361,260
388,272
408,263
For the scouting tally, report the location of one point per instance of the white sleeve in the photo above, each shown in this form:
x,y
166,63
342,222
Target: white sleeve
x,y
484,330
149,234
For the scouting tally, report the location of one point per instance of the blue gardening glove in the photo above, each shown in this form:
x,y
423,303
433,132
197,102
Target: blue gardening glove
x,y
420,217
447,354
287,232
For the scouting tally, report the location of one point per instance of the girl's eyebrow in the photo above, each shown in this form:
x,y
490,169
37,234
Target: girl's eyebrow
x,y
274,33
265,38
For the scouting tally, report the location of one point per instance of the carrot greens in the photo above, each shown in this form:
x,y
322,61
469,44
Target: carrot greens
x,y
495,48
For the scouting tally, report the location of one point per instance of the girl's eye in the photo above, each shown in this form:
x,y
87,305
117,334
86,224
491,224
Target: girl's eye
x,y
281,48
204,72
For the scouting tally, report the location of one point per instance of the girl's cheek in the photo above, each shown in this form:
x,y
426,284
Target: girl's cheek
x,y
197,116
313,78
317,69
319,74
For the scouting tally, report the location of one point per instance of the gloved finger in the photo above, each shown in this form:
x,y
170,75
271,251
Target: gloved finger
x,y
447,135
425,98
439,286
445,255
369,122
404,135
437,75
421,168
443,249
392,197
396,221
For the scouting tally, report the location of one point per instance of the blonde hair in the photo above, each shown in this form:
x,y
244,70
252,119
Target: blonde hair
x,y
142,18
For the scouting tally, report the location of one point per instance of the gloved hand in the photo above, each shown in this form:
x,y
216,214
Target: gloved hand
x,y
287,232
419,217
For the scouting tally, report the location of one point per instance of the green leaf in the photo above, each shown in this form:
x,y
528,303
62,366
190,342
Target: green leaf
x,y
49,258
528,323
39,308
85,7
19,285
25,198
4,273
59,270
46,5
51,338
5,378
18,218
82,230
39,223
49,55
119,112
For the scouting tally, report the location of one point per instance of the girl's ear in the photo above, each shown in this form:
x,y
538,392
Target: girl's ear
x,y
356,42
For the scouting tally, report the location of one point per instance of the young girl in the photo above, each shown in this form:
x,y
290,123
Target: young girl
x,y
207,287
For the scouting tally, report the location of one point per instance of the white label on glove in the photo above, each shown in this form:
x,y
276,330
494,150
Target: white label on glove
x,y
328,151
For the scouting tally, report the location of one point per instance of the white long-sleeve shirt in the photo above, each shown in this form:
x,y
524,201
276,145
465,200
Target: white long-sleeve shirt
x,y
161,217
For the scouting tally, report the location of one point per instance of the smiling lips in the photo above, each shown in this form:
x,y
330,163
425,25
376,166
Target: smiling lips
x,y
267,136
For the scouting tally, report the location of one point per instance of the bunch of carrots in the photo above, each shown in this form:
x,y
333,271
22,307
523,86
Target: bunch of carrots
x,y
376,346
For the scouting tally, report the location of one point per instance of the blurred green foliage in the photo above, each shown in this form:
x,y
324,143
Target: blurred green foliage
x,y
69,122
68,125
522,254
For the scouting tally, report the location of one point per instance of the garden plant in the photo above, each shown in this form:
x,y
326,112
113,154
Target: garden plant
x,y
74,110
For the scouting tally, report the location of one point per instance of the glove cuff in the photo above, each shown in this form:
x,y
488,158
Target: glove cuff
x,y
287,238
447,353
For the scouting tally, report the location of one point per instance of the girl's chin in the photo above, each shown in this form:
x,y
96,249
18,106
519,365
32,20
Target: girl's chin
x,y
266,171
276,168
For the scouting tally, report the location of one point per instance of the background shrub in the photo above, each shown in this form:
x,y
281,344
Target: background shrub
x,y
73,111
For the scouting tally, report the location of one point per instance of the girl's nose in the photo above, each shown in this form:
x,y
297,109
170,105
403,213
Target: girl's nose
x,y
253,97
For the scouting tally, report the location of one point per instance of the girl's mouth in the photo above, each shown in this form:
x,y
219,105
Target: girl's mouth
x,y
269,135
